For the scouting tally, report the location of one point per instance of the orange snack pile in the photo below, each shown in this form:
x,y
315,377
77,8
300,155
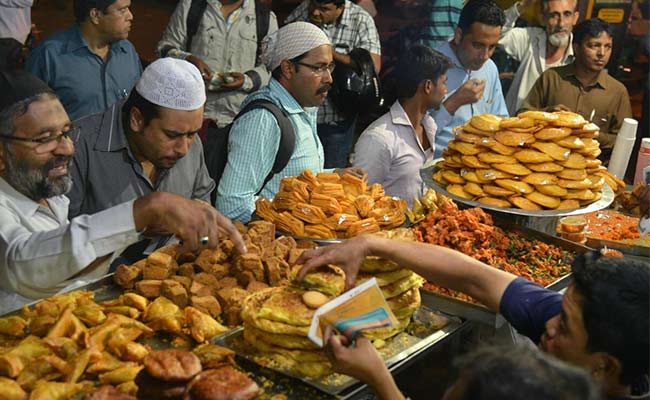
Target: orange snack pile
x,y
612,225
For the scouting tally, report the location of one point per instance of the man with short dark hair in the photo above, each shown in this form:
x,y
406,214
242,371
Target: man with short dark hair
x,y
394,147
537,49
41,251
584,86
473,80
348,27
91,65
600,324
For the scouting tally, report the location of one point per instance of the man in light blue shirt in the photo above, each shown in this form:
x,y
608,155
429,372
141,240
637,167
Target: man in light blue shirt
x,y
90,65
300,56
473,80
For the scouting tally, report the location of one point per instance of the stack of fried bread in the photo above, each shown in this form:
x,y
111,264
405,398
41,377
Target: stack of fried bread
x,y
535,161
214,281
277,320
327,206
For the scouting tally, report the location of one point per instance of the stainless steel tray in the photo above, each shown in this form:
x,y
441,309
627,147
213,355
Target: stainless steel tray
x,y
478,312
397,351
604,202
625,248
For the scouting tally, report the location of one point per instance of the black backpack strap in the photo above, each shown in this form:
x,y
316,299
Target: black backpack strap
x,y
197,8
262,20
287,136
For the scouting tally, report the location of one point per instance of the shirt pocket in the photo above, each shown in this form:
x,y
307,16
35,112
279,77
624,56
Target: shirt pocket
x,y
244,45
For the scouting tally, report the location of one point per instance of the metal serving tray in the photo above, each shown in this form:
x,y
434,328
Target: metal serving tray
x,y
642,252
604,202
478,312
396,352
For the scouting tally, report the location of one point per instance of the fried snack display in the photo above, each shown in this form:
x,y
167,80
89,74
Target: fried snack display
x,y
629,201
614,226
472,232
535,161
329,206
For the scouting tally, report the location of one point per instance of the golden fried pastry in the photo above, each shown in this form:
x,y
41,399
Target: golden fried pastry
x,y
470,176
571,142
437,177
388,217
495,158
449,163
473,162
524,203
597,196
331,189
297,188
569,119
539,116
467,127
516,122
453,177
572,174
376,191
328,204
514,169
467,149
498,191
514,139
543,199
568,204
592,163
491,174
468,137
11,390
552,133
289,224
54,390
557,152
285,201
457,190
540,178
347,206
488,141
597,181
580,194
309,213
172,365
516,186
202,326
573,184
364,204
500,148
486,122
368,225
319,231
493,201
341,222
546,167
551,190
575,161
473,189
529,156
214,356
225,383
309,178
353,185
328,177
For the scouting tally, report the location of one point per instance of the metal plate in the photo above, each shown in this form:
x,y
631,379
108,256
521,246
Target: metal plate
x,y
480,313
604,202
396,351
625,248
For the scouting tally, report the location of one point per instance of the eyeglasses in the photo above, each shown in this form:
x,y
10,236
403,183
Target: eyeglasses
x,y
319,69
49,141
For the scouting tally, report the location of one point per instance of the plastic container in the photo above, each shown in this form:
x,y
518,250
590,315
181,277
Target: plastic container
x,y
573,224
642,160
579,237
622,151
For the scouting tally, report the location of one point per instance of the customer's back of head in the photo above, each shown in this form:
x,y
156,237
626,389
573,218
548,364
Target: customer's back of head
x,y
519,373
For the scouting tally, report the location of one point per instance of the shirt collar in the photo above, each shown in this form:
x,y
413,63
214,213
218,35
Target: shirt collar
x,y
399,117
27,206
446,49
111,136
287,101
570,70
75,41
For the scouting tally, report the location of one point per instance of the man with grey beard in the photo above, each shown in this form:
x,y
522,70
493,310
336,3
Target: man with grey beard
x,y
537,49
41,251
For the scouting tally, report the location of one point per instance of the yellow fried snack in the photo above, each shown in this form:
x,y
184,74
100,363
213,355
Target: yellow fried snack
x,y
592,163
500,148
468,137
568,204
529,156
573,184
524,203
495,158
597,196
575,161
319,231
328,177
368,225
486,122
516,122
457,190
552,190
498,191
554,150
437,177
309,178
514,169
309,213
327,203
289,224
552,133
543,199
580,194
546,167
571,142
473,162
540,178
353,185
572,174
473,189
491,174
453,177
364,205
569,119
539,116
376,191
514,139
467,149
493,201
470,176
516,186
597,181
331,189
468,128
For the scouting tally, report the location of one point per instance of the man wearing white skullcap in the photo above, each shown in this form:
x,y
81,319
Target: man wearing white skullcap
x,y
44,252
147,143
300,57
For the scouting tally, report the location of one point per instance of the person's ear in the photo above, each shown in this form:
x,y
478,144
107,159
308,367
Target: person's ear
x,y
428,86
458,36
94,15
606,367
576,17
288,69
136,120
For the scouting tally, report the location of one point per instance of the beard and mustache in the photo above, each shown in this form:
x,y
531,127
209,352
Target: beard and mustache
x,y
323,89
559,38
34,182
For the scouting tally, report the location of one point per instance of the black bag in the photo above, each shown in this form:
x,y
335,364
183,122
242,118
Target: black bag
x,y
216,147
197,8
356,90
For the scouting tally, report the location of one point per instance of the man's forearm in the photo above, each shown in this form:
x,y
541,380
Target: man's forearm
x,y
447,268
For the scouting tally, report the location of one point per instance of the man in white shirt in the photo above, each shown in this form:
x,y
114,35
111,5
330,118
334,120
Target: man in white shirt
x,y
394,147
41,252
16,19
537,49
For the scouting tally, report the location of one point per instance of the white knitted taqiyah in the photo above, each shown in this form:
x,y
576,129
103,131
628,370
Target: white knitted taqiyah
x,y
290,41
172,83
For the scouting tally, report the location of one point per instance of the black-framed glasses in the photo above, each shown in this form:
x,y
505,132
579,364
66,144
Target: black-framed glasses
x,y
318,69
48,141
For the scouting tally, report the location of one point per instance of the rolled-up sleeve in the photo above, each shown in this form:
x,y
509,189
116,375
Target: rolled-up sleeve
x,y
252,145
42,260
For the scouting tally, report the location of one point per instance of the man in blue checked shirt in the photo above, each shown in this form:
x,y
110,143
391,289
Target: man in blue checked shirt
x,y
300,58
473,80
